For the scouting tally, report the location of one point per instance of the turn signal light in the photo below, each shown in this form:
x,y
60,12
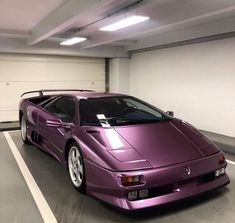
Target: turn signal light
x,y
221,159
130,180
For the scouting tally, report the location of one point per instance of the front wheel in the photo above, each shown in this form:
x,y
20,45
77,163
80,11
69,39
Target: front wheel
x,y
76,168
23,128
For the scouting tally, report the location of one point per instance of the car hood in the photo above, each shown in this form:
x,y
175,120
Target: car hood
x,y
166,143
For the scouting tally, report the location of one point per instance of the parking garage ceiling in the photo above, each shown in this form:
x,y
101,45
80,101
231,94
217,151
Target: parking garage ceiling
x,y
30,26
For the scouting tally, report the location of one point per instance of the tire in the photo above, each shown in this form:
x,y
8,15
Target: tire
x,y
23,129
76,168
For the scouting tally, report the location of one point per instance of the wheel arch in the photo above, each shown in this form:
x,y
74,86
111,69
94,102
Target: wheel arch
x,y
86,153
67,146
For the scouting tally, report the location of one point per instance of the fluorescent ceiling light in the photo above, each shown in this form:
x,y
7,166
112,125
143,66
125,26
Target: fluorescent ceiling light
x,y
73,41
132,20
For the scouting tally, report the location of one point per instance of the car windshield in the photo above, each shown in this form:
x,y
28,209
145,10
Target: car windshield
x,y
116,111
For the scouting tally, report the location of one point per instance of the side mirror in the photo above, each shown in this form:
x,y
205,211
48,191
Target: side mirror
x,y
171,113
59,124
54,123
67,125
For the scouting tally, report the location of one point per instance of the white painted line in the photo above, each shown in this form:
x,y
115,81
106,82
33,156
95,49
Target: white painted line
x,y
231,162
40,200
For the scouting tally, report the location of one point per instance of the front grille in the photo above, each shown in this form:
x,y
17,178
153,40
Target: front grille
x,y
206,178
175,187
159,191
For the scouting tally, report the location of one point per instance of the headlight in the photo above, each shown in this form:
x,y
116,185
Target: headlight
x,y
137,195
143,193
132,195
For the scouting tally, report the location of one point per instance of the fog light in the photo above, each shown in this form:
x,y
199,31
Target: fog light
x,y
143,193
130,180
220,172
132,195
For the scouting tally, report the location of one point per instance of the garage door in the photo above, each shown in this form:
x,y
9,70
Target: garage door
x,y
20,73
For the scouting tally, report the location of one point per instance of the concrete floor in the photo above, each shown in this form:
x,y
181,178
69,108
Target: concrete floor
x,y
225,142
18,205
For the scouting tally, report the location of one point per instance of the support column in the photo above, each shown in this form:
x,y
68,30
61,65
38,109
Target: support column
x,y
119,81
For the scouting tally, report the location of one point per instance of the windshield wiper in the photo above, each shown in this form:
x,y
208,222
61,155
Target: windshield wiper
x,y
121,121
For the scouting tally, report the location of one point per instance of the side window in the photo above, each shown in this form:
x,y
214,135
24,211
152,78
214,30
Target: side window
x,y
63,108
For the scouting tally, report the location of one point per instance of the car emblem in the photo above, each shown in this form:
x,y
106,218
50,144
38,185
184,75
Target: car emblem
x,y
187,170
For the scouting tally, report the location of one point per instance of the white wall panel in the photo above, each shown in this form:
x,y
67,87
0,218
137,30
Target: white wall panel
x,y
20,73
120,75
196,81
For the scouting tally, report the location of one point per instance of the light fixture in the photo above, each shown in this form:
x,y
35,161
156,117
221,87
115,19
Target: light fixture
x,y
129,21
73,40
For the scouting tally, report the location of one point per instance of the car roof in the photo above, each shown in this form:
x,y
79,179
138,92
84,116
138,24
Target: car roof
x,y
88,94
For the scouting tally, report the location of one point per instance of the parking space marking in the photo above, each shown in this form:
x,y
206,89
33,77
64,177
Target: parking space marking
x,y
38,197
231,162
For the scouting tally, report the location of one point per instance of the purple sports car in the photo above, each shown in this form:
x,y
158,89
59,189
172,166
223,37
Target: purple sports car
x,y
120,149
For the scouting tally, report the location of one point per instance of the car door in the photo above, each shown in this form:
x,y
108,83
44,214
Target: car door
x,y
55,123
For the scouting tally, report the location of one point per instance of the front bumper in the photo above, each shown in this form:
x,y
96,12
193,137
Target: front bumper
x,y
184,192
165,185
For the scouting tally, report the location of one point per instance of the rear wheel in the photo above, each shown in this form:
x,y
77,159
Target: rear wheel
x,y
23,127
76,168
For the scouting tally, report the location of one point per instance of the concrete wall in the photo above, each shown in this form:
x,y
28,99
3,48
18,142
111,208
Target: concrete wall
x,y
120,75
196,81
20,73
